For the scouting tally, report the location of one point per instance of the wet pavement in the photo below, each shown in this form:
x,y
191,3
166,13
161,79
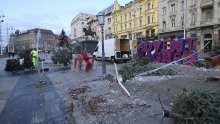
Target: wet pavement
x,y
29,104
25,100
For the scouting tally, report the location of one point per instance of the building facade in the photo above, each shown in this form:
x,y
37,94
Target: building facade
x,y
171,19
108,22
78,23
202,21
27,40
93,23
94,27
137,20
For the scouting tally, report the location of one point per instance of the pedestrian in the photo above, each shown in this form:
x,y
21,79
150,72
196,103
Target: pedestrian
x,y
9,54
135,51
34,57
13,54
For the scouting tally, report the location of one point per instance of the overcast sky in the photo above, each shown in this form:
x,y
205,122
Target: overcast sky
x,y
48,14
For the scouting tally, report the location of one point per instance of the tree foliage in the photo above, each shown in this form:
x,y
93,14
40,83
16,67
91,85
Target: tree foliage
x,y
197,107
63,39
62,55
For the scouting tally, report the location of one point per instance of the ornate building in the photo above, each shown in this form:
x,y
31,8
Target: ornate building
x,y
108,22
138,19
27,40
202,20
171,19
78,23
94,27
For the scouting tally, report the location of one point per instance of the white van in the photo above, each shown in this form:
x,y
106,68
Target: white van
x,y
115,50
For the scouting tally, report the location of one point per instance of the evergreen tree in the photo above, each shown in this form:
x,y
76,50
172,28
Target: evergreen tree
x,y
63,39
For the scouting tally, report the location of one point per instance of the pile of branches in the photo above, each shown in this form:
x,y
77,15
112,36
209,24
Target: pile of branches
x,y
93,107
139,65
197,107
134,67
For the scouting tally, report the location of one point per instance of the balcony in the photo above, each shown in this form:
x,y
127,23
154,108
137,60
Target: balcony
x,y
207,22
172,14
207,3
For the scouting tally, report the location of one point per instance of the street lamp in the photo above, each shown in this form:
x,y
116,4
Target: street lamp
x,y
134,14
101,20
1,20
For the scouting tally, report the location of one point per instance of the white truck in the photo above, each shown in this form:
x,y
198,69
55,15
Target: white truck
x,y
115,50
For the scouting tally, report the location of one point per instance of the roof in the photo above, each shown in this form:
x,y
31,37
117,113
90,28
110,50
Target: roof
x,y
44,31
108,9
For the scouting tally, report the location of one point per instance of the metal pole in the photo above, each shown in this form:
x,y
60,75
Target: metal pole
x,y
103,53
1,35
13,47
8,39
184,17
1,20
158,22
134,7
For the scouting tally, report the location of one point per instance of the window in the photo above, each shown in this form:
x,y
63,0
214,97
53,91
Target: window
x,y
164,10
139,35
209,16
148,19
140,22
182,5
125,16
164,25
140,10
182,21
152,19
125,26
152,32
193,2
130,36
74,32
193,21
109,20
173,8
82,23
121,27
129,25
130,14
152,5
121,18
173,23
147,34
148,6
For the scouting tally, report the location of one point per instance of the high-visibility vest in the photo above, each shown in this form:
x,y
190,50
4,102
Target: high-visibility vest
x,y
34,53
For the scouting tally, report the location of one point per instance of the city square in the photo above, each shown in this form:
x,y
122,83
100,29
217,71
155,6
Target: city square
x,y
115,62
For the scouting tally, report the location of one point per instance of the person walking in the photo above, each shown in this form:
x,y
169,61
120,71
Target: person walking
x,y
134,51
34,57
13,54
9,54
